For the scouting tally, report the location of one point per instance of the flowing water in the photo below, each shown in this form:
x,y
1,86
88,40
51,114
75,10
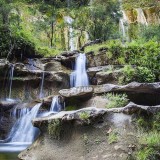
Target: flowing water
x,y
23,131
71,37
123,27
10,79
79,76
56,105
141,17
21,135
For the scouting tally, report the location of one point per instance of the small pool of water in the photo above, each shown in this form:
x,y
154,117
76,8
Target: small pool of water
x,y
8,156
10,151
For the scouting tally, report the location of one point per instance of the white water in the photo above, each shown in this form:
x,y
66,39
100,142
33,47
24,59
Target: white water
x,y
79,76
141,17
123,27
11,71
71,37
55,105
19,113
23,130
41,94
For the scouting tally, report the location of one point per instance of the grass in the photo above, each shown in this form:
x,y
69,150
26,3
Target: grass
x,y
116,100
113,137
149,146
107,44
84,115
151,139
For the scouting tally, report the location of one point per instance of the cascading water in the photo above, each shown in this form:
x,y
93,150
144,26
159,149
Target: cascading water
x,y
123,27
71,37
19,113
79,76
55,106
23,131
11,73
41,94
141,17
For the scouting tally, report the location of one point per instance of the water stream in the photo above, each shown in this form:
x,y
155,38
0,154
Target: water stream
x,y
79,76
9,82
141,17
123,27
23,130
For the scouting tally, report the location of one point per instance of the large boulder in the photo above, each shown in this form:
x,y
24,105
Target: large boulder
x,y
99,59
67,59
131,87
108,77
77,92
77,134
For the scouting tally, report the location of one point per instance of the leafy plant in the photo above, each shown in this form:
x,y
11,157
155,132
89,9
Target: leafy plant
x,y
116,100
84,115
143,74
150,145
113,137
139,74
54,128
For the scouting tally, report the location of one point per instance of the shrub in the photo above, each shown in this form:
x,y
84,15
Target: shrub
x,y
139,74
116,100
143,74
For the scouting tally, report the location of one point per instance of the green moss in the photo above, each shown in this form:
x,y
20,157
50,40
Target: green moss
x,y
54,128
70,108
84,115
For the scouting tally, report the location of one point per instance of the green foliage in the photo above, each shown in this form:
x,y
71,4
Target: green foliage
x,y
150,32
139,74
150,146
144,74
54,128
116,100
129,4
100,20
113,137
155,122
142,54
71,108
84,115
128,74
144,154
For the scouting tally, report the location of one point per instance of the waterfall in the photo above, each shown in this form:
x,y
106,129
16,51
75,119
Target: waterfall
x,y
41,94
141,17
19,113
55,105
79,76
71,37
23,131
11,72
123,27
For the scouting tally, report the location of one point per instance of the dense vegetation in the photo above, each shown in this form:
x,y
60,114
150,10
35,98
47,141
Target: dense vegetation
x,y
41,26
